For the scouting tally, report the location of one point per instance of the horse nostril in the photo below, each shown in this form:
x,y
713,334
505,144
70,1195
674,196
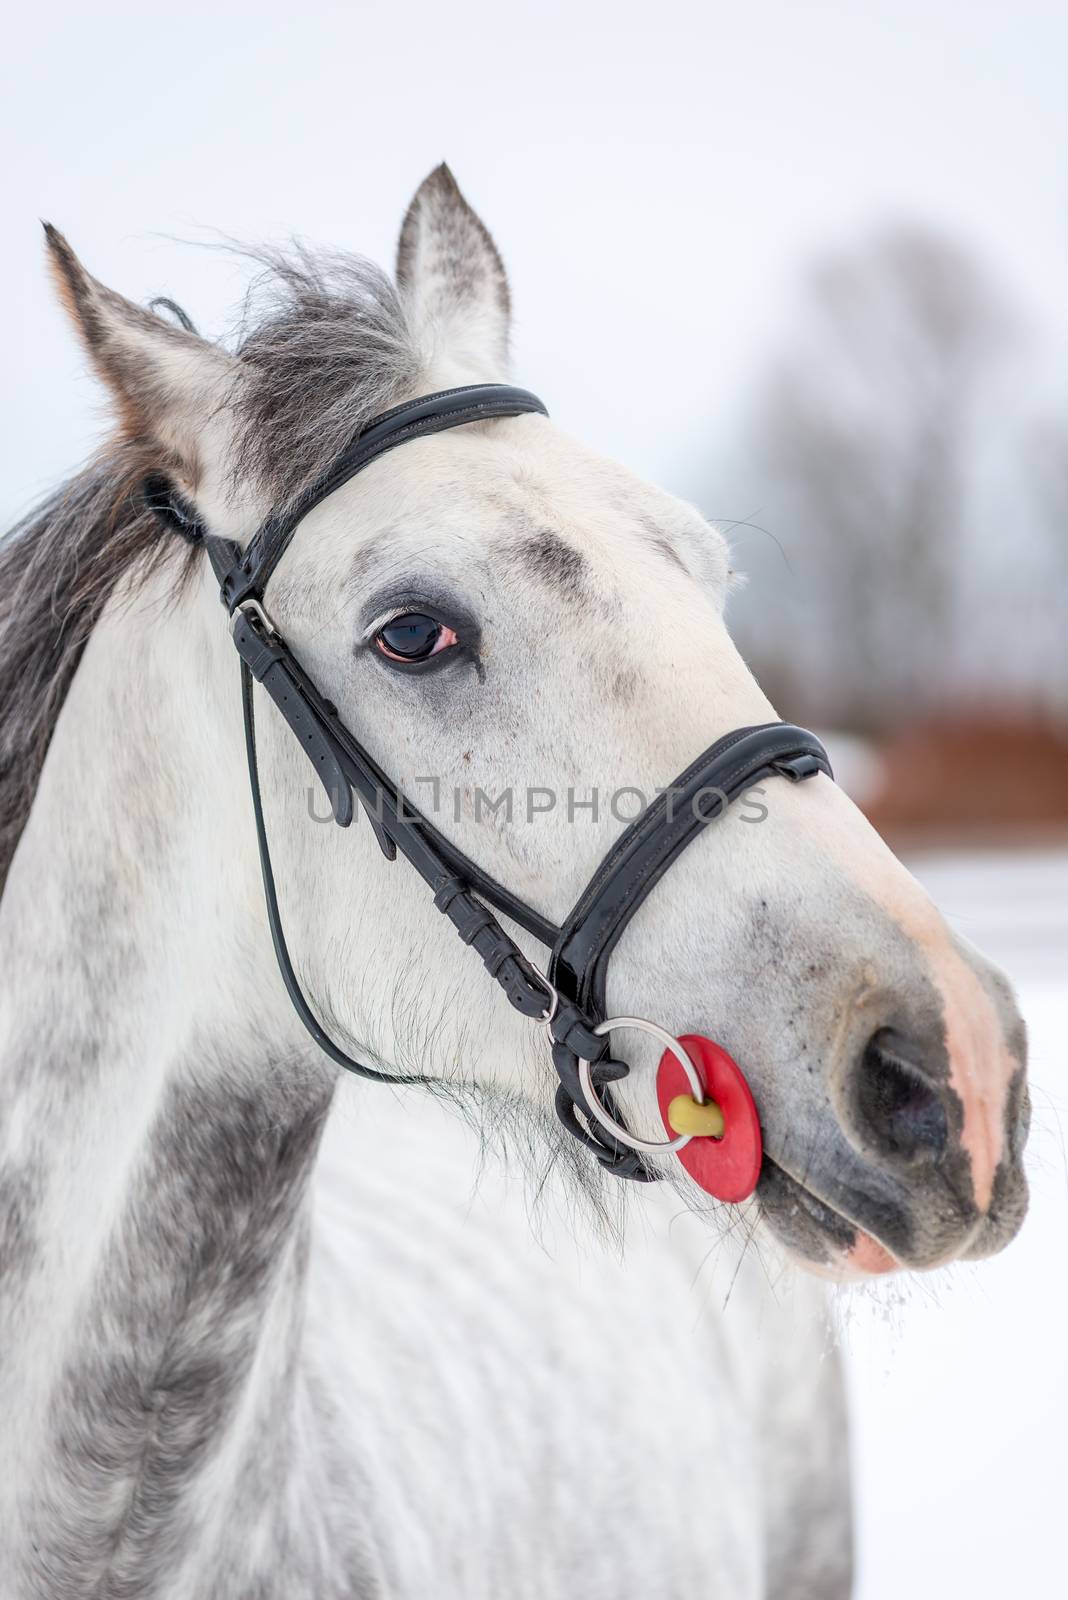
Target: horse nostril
x,y
899,1108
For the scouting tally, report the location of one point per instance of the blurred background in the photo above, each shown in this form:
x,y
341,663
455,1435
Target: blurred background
x,y
804,265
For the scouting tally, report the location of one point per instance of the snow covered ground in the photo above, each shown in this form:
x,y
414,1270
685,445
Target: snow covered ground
x,y
960,1379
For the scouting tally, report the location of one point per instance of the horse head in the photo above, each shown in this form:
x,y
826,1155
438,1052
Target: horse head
x,y
532,641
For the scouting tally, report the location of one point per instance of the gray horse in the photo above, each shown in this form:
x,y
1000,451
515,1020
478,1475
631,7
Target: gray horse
x,y
257,1339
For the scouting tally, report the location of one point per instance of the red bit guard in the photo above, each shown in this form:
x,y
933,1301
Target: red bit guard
x,y
729,1167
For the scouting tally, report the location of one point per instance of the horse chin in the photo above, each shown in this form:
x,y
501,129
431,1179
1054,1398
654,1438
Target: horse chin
x,y
819,1239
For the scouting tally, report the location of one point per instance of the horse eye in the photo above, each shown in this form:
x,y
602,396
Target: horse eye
x,y
413,637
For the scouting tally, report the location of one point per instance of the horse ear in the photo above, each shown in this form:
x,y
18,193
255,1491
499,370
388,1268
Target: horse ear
x,y
167,382
453,280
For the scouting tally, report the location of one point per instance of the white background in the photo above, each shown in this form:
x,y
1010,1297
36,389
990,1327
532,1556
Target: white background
x,y
656,177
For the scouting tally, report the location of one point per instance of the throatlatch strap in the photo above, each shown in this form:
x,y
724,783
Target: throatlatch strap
x,y
296,994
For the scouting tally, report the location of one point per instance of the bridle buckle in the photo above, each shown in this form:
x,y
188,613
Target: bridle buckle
x,y
252,608
549,1014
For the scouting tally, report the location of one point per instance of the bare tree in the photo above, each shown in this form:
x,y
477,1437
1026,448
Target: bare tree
x,y
867,430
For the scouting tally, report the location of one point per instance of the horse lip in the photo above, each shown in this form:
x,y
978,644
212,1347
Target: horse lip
x,y
974,1235
839,1231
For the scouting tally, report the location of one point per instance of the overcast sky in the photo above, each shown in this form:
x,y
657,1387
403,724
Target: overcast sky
x,y
655,176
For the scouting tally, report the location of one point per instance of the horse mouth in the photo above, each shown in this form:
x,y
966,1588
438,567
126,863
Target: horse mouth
x,y
889,1229
825,1240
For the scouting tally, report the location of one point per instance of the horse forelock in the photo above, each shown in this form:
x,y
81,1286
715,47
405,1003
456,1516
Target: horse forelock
x,y
325,345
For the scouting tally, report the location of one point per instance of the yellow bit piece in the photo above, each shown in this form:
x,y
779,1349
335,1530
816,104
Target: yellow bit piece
x,y
686,1116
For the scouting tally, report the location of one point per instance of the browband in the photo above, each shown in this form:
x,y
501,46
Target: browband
x,y
244,574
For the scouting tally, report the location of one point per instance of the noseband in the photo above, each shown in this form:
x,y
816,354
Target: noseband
x,y
569,1001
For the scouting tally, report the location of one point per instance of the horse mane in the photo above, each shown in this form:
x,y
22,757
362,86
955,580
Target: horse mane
x,y
324,344
57,570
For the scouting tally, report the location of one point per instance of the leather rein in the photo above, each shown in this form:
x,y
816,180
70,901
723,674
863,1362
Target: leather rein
x,y
569,1000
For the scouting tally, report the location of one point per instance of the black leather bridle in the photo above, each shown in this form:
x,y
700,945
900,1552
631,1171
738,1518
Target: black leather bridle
x,y
570,1000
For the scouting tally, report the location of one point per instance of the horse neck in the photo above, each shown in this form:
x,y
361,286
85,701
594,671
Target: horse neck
x,y
154,1153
